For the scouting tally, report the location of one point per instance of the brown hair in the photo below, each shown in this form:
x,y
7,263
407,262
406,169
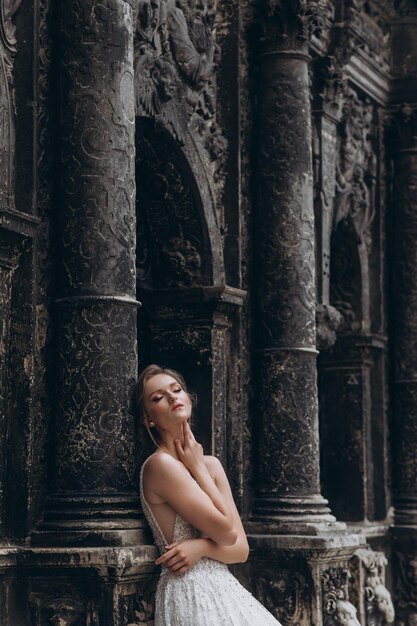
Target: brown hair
x,y
139,391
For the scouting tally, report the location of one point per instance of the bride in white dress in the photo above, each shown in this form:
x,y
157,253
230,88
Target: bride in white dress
x,y
188,503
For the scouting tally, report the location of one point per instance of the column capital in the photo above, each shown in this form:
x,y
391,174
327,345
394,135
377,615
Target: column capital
x,y
402,120
291,25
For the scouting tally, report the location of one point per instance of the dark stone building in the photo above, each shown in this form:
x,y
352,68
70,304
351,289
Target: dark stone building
x,y
229,188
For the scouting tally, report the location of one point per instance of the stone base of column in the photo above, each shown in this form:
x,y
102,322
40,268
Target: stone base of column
x,y
111,520
304,580
100,586
307,515
404,568
406,511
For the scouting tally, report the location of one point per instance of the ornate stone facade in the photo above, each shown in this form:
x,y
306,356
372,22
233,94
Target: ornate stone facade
x,y
247,170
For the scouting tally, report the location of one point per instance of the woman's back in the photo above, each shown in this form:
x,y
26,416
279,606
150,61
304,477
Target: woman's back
x,y
159,513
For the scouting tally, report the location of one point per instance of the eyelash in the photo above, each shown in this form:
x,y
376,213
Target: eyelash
x,y
160,397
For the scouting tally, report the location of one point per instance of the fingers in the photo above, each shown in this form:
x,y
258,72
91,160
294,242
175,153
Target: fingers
x,y
170,551
177,563
188,430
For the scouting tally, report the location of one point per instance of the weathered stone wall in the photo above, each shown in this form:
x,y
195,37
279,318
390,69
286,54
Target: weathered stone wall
x,y
245,170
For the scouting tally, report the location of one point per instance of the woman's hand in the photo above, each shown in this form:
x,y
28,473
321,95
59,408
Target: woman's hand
x,y
182,555
191,453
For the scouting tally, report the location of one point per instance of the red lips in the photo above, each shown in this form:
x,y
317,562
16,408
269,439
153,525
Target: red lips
x,y
176,406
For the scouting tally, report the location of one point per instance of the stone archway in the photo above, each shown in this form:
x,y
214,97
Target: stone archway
x,y
178,239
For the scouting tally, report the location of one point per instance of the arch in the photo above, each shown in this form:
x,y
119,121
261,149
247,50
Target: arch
x,y
179,243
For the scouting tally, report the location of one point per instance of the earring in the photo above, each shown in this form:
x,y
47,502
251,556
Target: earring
x,y
151,423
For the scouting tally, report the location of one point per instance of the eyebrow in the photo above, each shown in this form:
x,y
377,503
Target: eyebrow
x,y
170,385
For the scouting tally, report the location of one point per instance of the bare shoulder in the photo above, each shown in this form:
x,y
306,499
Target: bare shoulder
x,y
158,463
214,465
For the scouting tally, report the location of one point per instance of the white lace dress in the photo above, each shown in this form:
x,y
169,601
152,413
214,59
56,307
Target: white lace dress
x,y
207,594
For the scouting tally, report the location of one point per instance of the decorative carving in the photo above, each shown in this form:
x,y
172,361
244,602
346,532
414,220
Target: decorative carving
x,y
98,186
356,160
367,583
287,297
405,579
294,469
299,20
344,614
337,610
94,380
328,321
7,107
8,29
62,612
175,60
283,595
354,209
360,32
136,610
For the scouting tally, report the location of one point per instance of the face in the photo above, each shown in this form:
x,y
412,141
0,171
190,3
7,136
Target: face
x,y
166,402
384,603
346,614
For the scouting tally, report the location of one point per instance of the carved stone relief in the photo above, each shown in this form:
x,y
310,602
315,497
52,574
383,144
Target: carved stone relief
x,y
291,24
284,593
367,585
137,609
63,608
7,107
91,420
354,208
175,61
337,610
405,581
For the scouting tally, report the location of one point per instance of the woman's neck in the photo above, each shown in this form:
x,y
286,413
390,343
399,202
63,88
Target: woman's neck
x,y
167,442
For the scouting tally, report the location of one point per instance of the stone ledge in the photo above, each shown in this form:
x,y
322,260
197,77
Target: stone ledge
x,y
307,546
125,559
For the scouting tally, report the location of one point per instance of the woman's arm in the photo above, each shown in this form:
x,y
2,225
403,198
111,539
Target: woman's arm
x,y
203,470
204,506
182,555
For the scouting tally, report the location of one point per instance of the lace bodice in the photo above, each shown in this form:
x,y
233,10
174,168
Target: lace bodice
x,y
182,530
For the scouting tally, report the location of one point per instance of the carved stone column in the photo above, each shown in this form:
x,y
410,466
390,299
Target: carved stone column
x,y
405,359
301,553
96,500
287,480
404,298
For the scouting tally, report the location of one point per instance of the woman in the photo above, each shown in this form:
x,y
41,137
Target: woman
x,y
188,503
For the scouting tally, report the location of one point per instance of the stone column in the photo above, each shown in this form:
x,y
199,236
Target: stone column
x,y
404,432
405,344
404,325
287,481
96,500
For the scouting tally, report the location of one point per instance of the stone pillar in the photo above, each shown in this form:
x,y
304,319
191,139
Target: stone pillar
x,y
96,501
404,325
287,481
405,344
301,553
404,432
